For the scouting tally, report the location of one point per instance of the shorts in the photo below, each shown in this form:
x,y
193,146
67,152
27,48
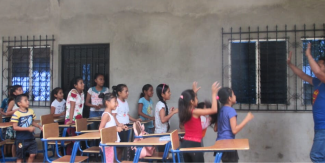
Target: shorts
x,y
25,146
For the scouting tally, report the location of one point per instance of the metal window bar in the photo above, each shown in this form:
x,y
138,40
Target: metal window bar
x,y
28,62
287,93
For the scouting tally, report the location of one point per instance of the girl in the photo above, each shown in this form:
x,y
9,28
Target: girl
x,y
74,106
227,121
12,107
190,118
110,102
58,103
145,107
121,114
162,113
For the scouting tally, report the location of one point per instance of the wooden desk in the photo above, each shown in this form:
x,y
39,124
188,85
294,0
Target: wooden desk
x,y
59,120
89,131
142,122
94,119
6,124
86,136
73,125
180,132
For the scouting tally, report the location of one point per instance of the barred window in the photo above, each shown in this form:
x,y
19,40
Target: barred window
x,y
27,62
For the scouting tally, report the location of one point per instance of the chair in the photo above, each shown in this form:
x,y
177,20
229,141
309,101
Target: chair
x,y
175,145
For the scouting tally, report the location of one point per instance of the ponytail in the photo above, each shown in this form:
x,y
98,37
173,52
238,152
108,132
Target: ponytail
x,y
118,88
184,106
145,88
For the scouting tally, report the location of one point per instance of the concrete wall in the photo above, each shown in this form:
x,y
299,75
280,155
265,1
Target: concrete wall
x,y
173,42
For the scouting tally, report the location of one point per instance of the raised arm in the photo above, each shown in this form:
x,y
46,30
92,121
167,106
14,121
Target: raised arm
x,y
315,67
298,71
214,106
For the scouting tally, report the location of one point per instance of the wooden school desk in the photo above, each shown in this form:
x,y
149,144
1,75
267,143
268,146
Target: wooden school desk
x,y
88,131
77,139
139,145
94,119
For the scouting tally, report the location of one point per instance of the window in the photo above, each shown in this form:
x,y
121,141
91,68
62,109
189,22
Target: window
x,y
258,72
318,50
27,62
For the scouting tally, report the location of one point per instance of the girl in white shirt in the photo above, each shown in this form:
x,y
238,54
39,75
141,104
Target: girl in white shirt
x,y
58,103
110,102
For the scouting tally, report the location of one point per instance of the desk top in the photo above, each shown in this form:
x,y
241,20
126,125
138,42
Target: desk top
x,y
59,120
180,132
143,142
223,145
142,122
88,131
86,136
74,125
5,125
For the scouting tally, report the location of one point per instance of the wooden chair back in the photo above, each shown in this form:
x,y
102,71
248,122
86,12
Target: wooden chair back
x,y
51,130
81,124
108,135
47,119
174,139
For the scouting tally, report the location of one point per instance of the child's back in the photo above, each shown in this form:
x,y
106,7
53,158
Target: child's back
x,y
224,128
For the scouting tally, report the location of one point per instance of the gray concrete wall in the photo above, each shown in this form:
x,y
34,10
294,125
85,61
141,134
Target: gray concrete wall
x,y
173,42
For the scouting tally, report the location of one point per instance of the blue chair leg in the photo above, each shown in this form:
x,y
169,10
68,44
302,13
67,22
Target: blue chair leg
x,y
173,154
3,154
218,157
179,157
74,151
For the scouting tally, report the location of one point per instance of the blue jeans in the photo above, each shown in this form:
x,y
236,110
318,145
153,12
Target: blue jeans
x,y
317,153
95,125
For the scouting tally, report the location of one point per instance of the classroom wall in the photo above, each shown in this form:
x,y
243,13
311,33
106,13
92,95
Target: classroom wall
x,y
174,42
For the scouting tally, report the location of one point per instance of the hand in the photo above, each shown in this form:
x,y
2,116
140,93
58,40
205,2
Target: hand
x,y
69,122
195,88
31,129
215,88
139,119
249,116
63,113
125,127
97,107
174,111
119,129
152,118
120,125
289,58
308,51
41,128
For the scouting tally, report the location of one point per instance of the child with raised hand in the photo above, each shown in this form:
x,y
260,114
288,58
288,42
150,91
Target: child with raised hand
x,y
162,112
110,102
190,118
227,126
23,120
58,103
145,107
121,114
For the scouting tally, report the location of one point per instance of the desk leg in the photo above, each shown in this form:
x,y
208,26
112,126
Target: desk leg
x,y
137,155
218,157
164,158
74,151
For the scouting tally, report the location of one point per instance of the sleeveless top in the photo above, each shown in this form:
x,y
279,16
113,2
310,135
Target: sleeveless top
x,y
111,123
193,129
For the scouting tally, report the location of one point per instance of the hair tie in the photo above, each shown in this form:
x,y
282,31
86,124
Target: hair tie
x,y
181,96
217,98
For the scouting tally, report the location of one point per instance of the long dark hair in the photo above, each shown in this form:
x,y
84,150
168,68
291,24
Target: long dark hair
x,y
162,89
184,105
75,81
96,76
12,90
118,88
224,94
54,92
106,97
145,88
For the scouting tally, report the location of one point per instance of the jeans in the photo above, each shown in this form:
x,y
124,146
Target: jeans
x,y
317,153
95,125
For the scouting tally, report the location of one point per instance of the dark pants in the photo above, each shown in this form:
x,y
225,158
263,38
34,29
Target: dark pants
x,y
193,156
317,153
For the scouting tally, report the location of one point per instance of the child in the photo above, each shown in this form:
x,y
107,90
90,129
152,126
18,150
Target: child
x,y
23,119
145,107
110,102
205,119
227,121
12,108
121,114
96,105
162,113
190,118
58,103
4,107
74,106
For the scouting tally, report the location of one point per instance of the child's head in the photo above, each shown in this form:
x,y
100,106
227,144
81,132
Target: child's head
x,y
57,93
187,101
204,105
227,96
163,92
109,100
77,83
99,80
16,90
147,90
121,91
22,101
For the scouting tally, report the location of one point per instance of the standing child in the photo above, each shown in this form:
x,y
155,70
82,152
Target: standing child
x,y
23,120
58,103
227,121
4,107
121,114
110,102
145,107
74,106
190,118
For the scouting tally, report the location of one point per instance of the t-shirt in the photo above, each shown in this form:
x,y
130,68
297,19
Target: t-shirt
x,y
95,100
4,106
224,128
147,109
318,104
122,112
160,127
59,106
79,100
24,119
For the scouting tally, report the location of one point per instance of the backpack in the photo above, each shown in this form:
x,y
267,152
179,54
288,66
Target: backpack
x,y
138,129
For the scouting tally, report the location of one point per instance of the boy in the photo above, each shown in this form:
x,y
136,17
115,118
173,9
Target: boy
x,y
317,153
23,119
